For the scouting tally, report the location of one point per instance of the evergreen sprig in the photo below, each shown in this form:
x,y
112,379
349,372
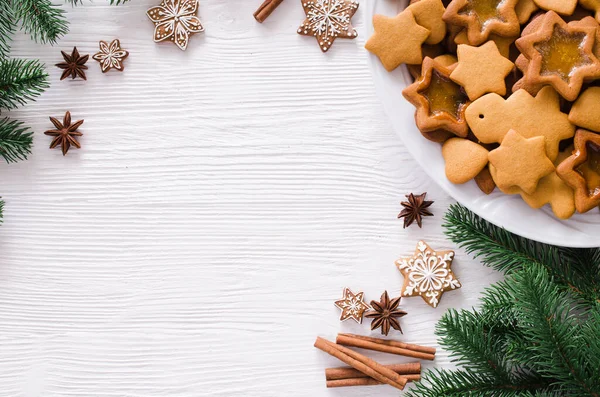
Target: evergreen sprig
x,y
7,27
20,81
42,20
15,140
536,333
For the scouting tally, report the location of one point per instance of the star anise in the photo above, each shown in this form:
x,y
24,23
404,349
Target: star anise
x,y
65,133
415,209
74,65
385,314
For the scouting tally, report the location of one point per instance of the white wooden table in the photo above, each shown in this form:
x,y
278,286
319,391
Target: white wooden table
x,y
222,199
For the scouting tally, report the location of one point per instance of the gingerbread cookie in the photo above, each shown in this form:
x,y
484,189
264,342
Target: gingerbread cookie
x,y
524,10
491,117
352,306
111,56
484,17
464,159
440,102
563,7
428,13
560,55
175,20
581,170
584,112
481,70
520,162
554,191
328,20
503,43
592,5
427,274
485,182
397,40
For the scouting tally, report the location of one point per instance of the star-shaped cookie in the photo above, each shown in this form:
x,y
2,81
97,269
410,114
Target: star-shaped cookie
x,y
520,162
328,20
483,17
582,176
352,306
554,191
427,274
397,40
487,64
560,55
563,7
440,102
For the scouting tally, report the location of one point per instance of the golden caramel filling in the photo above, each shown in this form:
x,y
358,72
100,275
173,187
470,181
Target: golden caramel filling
x,y
444,95
590,170
484,10
562,53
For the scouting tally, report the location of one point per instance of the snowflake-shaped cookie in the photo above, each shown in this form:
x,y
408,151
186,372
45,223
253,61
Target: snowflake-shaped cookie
x,y
352,306
110,56
175,20
327,20
427,274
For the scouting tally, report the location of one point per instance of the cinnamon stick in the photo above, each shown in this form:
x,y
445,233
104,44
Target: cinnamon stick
x,y
347,373
265,9
402,345
385,346
362,363
364,381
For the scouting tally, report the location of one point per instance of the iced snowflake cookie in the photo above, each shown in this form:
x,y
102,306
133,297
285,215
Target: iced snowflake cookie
x,y
328,20
110,56
352,306
175,20
427,274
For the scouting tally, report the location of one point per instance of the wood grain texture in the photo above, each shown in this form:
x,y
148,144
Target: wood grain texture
x,y
222,199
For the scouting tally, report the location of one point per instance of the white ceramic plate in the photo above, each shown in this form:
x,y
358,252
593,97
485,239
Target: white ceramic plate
x,y
510,212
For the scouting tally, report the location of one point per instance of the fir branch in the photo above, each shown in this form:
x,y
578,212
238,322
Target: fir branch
x,y
472,343
1,211
7,27
21,80
461,383
15,140
42,20
505,252
554,334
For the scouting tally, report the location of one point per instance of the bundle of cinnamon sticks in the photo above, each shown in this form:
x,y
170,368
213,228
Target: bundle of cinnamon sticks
x,y
364,371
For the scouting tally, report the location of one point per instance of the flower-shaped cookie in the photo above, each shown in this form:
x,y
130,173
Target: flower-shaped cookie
x,y
560,55
175,20
440,102
581,171
110,56
483,17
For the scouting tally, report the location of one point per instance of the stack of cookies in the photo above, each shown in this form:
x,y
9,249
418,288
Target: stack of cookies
x,y
509,88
